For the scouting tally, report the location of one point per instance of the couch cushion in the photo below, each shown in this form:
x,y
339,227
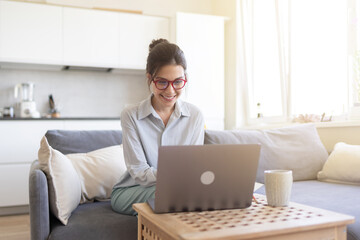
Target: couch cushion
x,y
297,148
98,171
63,181
343,165
94,221
330,196
67,141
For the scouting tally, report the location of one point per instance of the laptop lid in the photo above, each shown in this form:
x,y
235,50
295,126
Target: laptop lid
x,y
205,177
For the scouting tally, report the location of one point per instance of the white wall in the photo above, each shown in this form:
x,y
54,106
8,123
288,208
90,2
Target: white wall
x,y
332,135
234,111
232,96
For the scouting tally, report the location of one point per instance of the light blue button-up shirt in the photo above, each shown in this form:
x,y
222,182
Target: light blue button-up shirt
x,y
144,132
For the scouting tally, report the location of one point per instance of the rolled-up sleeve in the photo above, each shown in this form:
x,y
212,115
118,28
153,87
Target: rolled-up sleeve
x,y
134,156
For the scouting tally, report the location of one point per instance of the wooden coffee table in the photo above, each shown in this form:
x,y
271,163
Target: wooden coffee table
x,y
259,221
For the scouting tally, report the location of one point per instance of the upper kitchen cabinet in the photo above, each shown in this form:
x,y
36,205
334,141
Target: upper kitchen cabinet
x,y
30,33
91,38
201,37
136,33
44,34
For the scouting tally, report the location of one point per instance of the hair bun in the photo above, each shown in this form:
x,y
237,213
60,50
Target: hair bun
x,y
155,42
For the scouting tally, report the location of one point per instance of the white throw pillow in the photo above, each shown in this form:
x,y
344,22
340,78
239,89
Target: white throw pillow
x,y
343,165
64,182
79,177
98,171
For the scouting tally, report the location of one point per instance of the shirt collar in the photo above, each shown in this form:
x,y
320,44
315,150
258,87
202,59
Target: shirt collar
x,y
181,109
145,109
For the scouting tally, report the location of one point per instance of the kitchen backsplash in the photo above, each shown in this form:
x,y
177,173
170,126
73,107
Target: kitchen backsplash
x,y
77,93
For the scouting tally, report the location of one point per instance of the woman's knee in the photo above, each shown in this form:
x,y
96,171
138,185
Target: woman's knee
x,y
119,203
122,199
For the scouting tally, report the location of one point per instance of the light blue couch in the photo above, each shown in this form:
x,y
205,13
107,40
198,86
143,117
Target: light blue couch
x,y
98,221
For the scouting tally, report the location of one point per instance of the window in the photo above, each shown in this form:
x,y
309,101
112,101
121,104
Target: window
x,y
319,55
301,57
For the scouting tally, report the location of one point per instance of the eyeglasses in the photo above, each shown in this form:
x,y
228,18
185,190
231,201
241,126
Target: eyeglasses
x,y
162,84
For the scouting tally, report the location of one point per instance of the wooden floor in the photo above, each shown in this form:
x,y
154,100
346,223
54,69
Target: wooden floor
x,y
15,227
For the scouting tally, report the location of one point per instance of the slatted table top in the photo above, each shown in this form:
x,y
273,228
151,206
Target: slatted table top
x,y
256,221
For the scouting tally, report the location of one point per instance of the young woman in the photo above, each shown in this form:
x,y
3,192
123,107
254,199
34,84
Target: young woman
x,y
161,119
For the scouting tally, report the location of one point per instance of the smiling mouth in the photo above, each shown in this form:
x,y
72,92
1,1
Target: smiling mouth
x,y
168,98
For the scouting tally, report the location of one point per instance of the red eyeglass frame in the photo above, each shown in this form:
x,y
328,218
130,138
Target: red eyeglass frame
x,y
170,83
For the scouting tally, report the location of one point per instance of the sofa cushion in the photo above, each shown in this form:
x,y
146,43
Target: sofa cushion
x,y
98,171
63,181
91,174
335,197
94,221
297,148
343,165
67,141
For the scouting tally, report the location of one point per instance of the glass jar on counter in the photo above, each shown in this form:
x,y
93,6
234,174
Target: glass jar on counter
x,y
8,112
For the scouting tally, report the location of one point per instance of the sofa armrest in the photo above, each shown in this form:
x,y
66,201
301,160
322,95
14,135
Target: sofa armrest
x,y
39,203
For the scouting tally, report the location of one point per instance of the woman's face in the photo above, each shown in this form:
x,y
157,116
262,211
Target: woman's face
x,y
167,97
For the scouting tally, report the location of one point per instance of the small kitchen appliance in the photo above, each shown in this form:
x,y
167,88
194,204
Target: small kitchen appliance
x,y
26,107
8,112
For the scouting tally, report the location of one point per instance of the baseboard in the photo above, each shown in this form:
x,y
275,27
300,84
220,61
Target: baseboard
x,y
16,210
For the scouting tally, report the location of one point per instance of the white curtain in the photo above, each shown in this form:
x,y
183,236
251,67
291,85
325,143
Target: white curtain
x,y
294,57
264,56
282,8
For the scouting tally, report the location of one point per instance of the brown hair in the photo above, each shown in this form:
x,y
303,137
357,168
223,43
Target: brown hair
x,y
161,53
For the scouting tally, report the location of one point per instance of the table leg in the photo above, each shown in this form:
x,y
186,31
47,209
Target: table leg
x,y
341,233
139,227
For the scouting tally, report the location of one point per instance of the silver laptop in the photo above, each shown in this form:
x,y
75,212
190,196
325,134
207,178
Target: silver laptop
x,y
205,177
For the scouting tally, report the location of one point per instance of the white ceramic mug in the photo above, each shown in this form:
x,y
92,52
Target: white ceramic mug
x,y
278,185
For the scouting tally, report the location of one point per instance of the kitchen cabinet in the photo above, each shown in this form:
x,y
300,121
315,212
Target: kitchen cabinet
x,y
14,190
20,142
136,33
201,37
56,35
30,33
91,38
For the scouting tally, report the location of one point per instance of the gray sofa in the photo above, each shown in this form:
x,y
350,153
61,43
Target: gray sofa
x,y
98,221
89,221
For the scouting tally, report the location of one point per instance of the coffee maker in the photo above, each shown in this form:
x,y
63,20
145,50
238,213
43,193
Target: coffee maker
x,y
26,107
